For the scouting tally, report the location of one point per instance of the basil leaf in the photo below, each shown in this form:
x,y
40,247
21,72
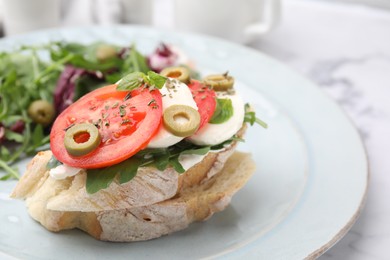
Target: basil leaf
x,y
223,111
131,81
156,80
53,163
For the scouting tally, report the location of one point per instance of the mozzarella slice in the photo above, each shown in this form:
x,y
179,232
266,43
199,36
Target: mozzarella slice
x,y
213,134
63,171
173,92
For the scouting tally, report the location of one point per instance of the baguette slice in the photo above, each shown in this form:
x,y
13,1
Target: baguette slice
x,y
148,187
195,203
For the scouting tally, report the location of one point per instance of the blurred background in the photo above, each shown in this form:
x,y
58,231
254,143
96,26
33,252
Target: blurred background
x,y
20,16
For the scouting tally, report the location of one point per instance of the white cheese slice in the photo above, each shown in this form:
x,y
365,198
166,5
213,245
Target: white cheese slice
x,y
174,93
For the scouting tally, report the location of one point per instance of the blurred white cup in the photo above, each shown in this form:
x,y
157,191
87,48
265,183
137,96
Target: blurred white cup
x,y
27,15
137,11
240,21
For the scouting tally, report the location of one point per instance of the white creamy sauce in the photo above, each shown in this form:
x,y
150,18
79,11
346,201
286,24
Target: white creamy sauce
x,y
176,93
63,171
189,160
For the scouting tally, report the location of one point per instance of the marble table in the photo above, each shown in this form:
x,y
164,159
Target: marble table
x,y
345,49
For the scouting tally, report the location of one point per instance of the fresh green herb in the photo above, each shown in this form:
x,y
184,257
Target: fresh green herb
x,y
250,117
137,79
131,81
24,78
100,179
151,101
122,111
53,163
30,73
155,80
161,158
223,111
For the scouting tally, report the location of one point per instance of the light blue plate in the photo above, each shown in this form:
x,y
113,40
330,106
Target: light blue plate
x,y
306,193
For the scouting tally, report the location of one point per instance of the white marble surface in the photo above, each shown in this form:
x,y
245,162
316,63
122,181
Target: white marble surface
x,y
345,49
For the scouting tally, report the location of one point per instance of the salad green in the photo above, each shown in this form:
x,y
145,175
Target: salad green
x,y
58,73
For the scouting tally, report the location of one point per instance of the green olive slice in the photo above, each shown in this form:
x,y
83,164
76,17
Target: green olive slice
x,y
181,120
81,139
219,82
41,112
180,73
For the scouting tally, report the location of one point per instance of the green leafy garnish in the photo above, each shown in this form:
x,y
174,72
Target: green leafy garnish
x,y
30,73
161,158
250,117
53,163
223,111
99,179
137,79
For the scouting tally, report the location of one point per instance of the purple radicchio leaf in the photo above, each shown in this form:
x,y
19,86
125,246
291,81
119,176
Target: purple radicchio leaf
x,y
18,126
162,57
65,89
2,133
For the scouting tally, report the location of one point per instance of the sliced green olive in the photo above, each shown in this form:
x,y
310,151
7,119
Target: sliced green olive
x,y
105,52
180,73
181,120
81,139
219,82
41,112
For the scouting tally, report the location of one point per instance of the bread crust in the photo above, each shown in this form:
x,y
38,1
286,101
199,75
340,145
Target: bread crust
x,y
196,203
152,204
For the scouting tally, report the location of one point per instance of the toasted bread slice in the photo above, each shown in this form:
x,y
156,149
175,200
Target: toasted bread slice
x,y
148,187
195,203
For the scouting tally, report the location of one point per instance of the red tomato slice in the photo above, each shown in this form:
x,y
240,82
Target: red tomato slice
x,y
125,125
205,99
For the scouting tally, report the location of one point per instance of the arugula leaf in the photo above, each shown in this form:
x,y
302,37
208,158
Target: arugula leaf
x,y
131,167
223,111
98,179
4,153
197,151
161,158
161,162
53,163
250,117
37,135
13,136
174,162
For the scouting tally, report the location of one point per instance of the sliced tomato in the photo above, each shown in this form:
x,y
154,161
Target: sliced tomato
x,y
205,99
126,123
